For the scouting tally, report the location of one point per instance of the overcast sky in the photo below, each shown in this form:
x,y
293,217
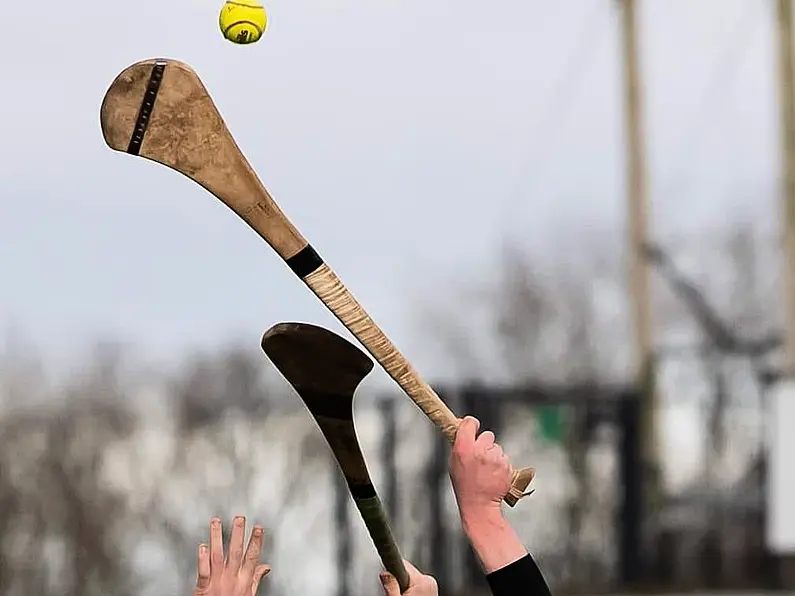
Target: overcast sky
x,y
403,137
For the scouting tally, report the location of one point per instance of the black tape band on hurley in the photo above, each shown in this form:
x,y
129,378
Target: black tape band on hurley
x,y
304,262
361,491
327,405
147,105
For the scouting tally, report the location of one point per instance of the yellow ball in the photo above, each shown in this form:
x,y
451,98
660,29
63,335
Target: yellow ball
x,y
243,21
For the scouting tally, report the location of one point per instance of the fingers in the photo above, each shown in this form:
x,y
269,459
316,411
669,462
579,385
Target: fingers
x,y
494,451
466,433
389,583
416,577
260,572
485,440
411,570
494,455
204,573
251,559
216,546
419,584
235,558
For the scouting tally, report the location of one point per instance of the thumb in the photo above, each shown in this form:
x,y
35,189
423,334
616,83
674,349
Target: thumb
x,y
467,432
260,572
390,584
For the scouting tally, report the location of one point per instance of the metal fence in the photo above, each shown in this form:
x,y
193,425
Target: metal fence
x,y
588,524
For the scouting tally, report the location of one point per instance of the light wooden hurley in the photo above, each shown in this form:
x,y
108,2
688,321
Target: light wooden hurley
x,y
325,370
160,110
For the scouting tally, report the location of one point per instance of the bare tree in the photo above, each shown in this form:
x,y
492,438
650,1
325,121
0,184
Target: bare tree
x,y
62,528
235,445
560,315
104,492
211,385
545,320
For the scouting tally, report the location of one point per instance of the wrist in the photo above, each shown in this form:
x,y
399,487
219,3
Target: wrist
x,y
492,538
477,519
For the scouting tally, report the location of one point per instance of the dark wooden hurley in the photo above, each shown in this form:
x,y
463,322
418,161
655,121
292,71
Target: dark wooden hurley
x,y
325,370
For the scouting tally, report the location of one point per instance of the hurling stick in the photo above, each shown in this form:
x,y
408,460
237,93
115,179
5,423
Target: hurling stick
x,y
160,110
325,370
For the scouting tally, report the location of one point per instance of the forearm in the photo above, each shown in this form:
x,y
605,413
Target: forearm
x,y
510,570
494,541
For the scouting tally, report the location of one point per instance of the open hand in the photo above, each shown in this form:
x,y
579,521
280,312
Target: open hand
x,y
239,572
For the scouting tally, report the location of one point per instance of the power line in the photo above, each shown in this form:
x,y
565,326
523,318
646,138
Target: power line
x,y
723,78
561,99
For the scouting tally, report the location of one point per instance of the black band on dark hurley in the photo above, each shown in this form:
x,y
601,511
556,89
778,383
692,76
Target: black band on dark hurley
x,y
147,104
304,262
327,405
361,491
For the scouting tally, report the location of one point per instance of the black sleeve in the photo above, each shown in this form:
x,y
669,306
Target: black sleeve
x,y
520,578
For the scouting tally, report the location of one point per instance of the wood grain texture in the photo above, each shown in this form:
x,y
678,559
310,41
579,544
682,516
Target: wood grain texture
x,y
187,134
325,370
333,293
184,131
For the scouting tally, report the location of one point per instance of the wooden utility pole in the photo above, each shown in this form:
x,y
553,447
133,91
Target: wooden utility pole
x,y
787,102
637,222
786,561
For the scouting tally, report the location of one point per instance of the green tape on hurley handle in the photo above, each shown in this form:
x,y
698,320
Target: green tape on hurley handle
x,y
374,517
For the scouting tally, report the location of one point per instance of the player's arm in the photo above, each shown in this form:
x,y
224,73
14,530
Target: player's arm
x,y
481,476
509,568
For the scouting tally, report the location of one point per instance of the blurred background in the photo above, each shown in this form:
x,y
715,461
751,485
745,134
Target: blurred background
x,y
577,219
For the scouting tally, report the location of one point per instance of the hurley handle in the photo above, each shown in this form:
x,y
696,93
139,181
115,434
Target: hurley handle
x,y
332,292
375,519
